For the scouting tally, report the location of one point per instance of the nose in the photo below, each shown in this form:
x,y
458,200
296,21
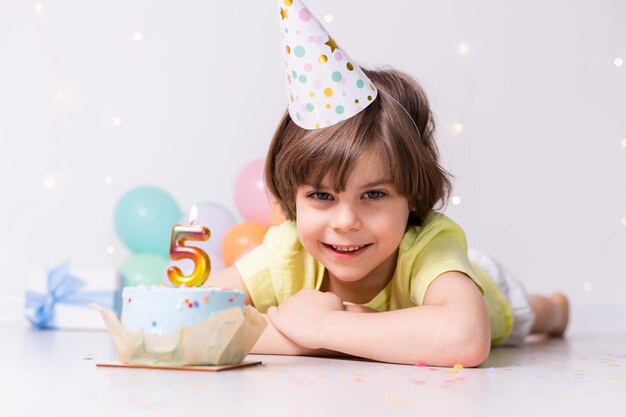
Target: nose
x,y
345,218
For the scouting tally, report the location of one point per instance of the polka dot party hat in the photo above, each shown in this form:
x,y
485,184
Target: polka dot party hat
x,y
324,85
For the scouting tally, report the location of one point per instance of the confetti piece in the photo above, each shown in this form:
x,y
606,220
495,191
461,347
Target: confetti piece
x,y
420,364
457,366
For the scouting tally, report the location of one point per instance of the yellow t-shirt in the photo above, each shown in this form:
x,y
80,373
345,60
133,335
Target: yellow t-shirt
x,y
280,267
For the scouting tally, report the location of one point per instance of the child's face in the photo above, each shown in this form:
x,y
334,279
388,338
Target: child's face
x,y
354,233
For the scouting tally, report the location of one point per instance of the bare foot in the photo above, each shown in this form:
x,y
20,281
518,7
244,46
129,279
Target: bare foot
x,y
560,300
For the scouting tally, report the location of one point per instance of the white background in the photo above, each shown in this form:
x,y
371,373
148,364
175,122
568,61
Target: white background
x,y
540,166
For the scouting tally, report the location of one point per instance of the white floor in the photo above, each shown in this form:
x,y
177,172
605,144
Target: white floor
x,y
53,373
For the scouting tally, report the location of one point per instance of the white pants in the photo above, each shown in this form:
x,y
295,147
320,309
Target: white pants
x,y
513,291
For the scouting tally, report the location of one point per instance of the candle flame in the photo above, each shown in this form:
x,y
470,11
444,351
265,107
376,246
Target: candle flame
x,y
193,214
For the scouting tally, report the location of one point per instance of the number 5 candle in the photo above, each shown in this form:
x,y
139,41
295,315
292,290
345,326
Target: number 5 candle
x,y
178,251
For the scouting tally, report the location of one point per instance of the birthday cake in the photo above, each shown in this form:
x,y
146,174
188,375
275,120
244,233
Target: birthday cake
x,y
184,323
161,310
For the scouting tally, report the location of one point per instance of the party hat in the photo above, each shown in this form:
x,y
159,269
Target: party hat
x,y
325,86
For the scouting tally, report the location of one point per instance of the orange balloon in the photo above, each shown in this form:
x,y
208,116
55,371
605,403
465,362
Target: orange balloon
x,y
277,216
241,237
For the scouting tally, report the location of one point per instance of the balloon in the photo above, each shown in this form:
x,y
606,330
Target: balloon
x,y
143,219
217,263
277,217
251,196
144,269
241,237
218,219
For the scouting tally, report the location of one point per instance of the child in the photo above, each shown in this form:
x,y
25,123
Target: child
x,y
365,266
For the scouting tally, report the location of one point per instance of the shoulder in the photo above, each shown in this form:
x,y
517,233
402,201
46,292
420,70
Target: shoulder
x,y
283,238
436,225
279,243
436,247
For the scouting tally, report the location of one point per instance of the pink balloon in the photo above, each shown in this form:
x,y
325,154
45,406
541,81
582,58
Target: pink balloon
x,y
251,196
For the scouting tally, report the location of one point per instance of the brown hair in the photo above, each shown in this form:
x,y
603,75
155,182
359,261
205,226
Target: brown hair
x,y
297,156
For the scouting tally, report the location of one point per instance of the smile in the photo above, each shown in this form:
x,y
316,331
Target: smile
x,y
347,249
344,249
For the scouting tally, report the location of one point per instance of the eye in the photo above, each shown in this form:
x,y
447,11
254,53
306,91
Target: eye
x,y
320,196
374,195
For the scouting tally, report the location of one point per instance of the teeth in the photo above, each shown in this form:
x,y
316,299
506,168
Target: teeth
x,y
347,249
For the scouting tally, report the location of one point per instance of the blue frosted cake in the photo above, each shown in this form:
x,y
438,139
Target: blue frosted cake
x,y
163,310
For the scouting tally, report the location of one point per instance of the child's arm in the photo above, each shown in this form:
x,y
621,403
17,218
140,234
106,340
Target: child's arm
x,y
451,327
271,340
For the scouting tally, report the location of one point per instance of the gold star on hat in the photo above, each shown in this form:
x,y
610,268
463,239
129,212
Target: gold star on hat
x,y
324,85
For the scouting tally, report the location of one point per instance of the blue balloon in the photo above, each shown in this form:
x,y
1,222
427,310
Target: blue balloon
x,y
144,269
144,218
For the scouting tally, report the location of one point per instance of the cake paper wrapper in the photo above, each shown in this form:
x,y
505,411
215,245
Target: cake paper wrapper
x,y
223,339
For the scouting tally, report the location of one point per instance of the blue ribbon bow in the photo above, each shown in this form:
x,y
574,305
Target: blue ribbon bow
x,y
62,288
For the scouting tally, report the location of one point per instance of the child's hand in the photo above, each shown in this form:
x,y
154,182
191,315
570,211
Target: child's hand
x,y
303,316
